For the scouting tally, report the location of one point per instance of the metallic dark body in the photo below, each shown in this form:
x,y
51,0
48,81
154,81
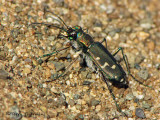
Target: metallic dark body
x,y
106,63
98,50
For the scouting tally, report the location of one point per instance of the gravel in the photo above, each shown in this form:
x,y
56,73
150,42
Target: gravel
x,y
79,94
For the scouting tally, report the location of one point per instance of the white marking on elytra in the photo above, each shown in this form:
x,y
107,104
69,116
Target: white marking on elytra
x,y
113,67
97,58
115,77
122,80
105,64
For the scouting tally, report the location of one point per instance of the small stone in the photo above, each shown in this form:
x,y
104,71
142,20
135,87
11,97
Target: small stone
x,y
35,63
54,90
138,59
146,105
78,107
89,76
81,117
27,60
51,38
83,74
131,108
157,66
142,35
68,82
18,9
71,102
95,102
50,65
130,119
116,36
58,45
76,96
52,113
26,71
47,73
70,117
3,74
13,94
97,29
140,97
143,73
128,113
129,96
43,108
98,108
2,55
151,45
128,29
87,83
146,23
59,66
140,113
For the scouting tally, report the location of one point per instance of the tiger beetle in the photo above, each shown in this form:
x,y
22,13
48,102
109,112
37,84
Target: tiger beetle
x,y
96,56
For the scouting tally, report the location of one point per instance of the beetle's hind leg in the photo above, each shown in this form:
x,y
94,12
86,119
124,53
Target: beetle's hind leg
x,y
112,94
110,90
127,65
104,40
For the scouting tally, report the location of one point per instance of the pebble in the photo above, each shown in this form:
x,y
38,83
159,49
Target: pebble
x,y
76,96
35,62
95,102
58,65
129,96
18,9
143,73
138,59
71,102
83,74
44,109
140,113
3,74
98,108
142,35
68,82
58,45
128,113
51,38
54,90
146,23
87,83
26,71
151,45
47,73
78,107
146,105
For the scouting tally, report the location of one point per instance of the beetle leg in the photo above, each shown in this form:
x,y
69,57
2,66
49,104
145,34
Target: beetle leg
x,y
56,51
104,39
124,58
127,66
110,90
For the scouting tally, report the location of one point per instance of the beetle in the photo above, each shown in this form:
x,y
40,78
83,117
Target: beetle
x,y
96,56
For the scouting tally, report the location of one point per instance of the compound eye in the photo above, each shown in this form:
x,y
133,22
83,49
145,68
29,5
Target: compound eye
x,y
74,35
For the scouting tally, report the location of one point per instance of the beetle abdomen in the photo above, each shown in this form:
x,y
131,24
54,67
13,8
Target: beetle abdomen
x,y
106,62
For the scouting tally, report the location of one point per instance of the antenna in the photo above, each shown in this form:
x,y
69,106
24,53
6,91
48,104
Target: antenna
x,y
49,25
57,17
